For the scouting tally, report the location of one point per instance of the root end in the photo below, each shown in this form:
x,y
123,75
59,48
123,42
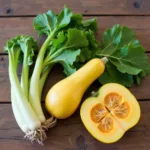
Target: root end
x,y
39,135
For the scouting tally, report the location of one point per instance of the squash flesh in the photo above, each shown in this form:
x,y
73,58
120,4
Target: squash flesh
x,y
122,108
134,114
106,137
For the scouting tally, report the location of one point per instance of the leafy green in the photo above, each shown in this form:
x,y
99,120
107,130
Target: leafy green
x,y
90,24
111,74
48,22
137,78
67,58
125,53
76,38
93,43
66,50
130,59
28,46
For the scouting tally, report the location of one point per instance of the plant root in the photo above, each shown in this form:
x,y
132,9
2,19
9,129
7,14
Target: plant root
x,y
49,123
39,135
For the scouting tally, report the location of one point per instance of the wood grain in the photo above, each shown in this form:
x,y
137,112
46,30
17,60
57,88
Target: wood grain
x,y
140,91
11,27
87,7
70,134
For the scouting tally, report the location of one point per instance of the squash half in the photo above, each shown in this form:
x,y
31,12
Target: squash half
x,y
109,115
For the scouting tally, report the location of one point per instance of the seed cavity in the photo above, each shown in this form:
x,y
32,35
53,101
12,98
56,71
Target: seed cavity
x,y
106,124
113,105
98,112
112,100
123,110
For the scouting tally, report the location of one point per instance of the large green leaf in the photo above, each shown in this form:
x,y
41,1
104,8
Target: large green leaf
x,y
130,59
65,49
124,52
49,22
45,23
111,74
76,39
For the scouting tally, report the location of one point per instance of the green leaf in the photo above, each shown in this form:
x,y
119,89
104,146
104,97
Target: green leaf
x,y
67,58
49,22
138,77
59,40
93,43
13,49
130,59
28,46
85,55
76,39
45,23
66,42
115,38
112,75
122,49
10,44
90,24
76,19
64,18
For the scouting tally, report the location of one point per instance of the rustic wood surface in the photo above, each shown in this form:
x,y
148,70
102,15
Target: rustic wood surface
x,y
87,7
16,18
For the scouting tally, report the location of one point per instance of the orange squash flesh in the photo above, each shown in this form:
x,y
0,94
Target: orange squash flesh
x,y
109,115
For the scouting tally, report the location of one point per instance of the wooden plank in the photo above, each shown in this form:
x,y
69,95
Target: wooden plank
x,y
10,27
70,134
94,7
140,91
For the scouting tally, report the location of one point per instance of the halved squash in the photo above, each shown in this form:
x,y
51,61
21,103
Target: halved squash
x,y
109,115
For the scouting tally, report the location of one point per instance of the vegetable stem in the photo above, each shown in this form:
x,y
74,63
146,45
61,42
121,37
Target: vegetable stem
x,y
43,79
28,113
34,98
18,114
25,78
104,59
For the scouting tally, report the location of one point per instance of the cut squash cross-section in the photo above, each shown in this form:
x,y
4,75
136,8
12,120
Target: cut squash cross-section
x,y
109,115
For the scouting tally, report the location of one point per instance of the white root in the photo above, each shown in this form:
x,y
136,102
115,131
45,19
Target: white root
x,y
39,135
49,123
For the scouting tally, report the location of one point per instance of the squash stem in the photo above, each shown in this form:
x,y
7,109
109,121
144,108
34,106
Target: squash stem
x,y
104,59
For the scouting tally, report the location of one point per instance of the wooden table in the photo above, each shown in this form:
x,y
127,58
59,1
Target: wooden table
x,y
16,18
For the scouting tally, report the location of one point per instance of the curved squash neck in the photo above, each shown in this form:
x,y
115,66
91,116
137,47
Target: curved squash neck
x,y
87,74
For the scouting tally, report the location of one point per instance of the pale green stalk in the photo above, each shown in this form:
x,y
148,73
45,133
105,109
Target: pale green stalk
x,y
18,114
27,112
16,110
25,76
34,98
43,79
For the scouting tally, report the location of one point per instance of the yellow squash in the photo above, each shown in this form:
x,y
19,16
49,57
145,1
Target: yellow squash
x,y
109,115
64,97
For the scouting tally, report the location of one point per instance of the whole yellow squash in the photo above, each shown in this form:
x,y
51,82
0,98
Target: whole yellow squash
x,y
64,97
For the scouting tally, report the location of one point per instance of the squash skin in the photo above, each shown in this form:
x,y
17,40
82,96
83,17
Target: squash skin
x,y
122,124
64,97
